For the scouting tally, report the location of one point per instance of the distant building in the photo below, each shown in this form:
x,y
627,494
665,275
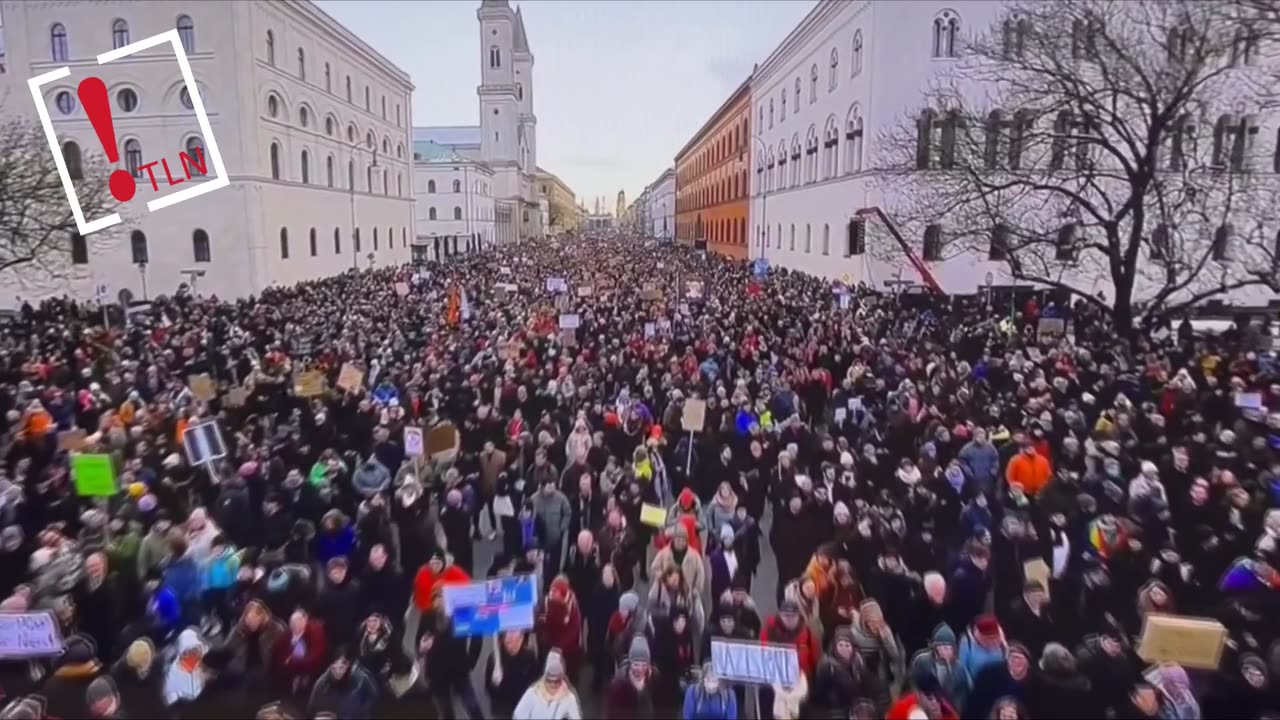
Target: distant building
x,y
454,208
562,210
661,201
711,179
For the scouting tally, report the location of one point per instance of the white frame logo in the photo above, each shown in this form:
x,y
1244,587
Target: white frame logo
x,y
202,117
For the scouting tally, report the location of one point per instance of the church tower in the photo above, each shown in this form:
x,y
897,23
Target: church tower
x,y
522,57
499,101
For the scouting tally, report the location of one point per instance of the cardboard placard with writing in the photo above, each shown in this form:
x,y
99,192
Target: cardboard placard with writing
x,y
650,293
308,384
1037,569
93,475
653,515
1188,641
442,442
402,289
569,338
695,415
202,387
1049,329
72,440
351,378
584,291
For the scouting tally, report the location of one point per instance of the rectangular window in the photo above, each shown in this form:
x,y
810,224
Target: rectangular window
x,y
79,249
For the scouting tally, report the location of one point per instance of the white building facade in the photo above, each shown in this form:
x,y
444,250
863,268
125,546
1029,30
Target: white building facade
x,y
312,122
846,78
454,209
662,206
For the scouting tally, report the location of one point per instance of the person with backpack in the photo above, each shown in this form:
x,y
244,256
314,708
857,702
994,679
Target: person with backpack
x,y
708,699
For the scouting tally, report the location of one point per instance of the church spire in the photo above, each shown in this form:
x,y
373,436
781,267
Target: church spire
x,y
521,40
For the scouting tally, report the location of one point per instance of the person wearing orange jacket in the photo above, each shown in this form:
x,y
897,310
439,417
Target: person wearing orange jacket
x,y
1029,469
438,572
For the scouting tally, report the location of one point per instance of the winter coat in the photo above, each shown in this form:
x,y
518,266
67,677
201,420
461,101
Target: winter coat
x,y
1061,696
330,545
540,703
491,466
884,662
64,691
699,704
624,702
181,684
351,698
236,646
908,708
371,478
519,673
690,567
426,581
306,660
808,648
991,685
972,658
981,463
553,514
836,685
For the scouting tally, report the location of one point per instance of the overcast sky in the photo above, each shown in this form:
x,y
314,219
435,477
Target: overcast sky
x,y
619,86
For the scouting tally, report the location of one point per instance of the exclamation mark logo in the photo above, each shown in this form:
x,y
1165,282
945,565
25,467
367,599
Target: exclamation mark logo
x,y
93,96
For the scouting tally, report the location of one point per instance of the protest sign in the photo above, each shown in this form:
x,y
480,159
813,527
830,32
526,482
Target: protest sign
x,y
504,270
754,663
93,475
203,443
569,338
760,268
556,285
569,321
28,635
236,397
442,442
402,289
72,440
649,293
1049,329
202,387
308,384
1191,642
650,329
492,606
652,515
1038,570
693,289
1250,400
351,378
562,303
584,291
509,350
413,442
695,415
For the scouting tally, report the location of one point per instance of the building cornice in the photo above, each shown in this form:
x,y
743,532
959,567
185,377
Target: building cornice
x,y
742,91
310,12
812,24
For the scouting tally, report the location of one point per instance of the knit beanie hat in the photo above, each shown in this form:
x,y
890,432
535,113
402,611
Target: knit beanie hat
x,y
639,652
554,669
628,602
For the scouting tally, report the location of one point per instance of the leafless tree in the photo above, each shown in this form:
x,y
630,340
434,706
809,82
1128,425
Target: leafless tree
x,y
36,224
1119,151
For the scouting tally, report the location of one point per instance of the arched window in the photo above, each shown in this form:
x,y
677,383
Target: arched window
x,y
386,146
830,149
302,65
315,247
1018,132
933,243
119,34
826,239
951,127
924,138
771,114
328,171
133,157
329,126
495,57
431,186
1065,247
1062,125
369,142
275,161
946,33
792,243
808,239
999,248
813,83
1014,35
782,113
833,77
348,88
853,142
58,42
138,248
796,96
200,250
284,243
71,157
187,33
198,161
457,186
306,167
337,242
304,116
127,100
855,58
273,106
271,48
431,214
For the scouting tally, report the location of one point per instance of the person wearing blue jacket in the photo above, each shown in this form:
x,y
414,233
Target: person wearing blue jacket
x,y
708,699
981,461
181,574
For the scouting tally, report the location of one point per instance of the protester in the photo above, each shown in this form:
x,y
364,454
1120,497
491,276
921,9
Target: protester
x,y
910,458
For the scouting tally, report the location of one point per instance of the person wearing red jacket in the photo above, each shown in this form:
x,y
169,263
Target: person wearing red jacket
x,y
925,703
438,572
300,655
560,626
788,628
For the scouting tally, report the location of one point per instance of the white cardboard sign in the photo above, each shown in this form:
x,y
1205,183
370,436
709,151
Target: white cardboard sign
x,y
413,442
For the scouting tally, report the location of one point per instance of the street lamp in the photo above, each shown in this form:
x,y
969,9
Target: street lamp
x,y
764,200
351,183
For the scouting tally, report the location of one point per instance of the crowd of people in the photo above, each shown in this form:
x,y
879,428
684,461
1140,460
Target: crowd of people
x,y
946,513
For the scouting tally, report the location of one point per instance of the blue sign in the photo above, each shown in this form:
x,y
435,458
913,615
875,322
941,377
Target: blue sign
x,y
760,267
492,606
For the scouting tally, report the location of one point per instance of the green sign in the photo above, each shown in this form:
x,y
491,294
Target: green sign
x,y
93,475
